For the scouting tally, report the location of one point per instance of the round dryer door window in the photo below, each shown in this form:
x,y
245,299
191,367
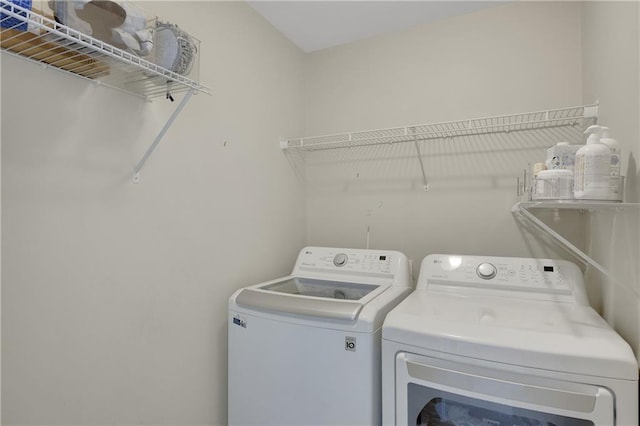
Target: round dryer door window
x,y
447,409
438,392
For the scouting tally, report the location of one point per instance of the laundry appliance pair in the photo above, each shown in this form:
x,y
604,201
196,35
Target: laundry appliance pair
x,y
483,341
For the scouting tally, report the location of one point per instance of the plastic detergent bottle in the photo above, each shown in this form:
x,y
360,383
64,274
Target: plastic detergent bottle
x,y
593,168
614,149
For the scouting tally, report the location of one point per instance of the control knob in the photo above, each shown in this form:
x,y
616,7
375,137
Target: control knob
x,y
340,259
486,271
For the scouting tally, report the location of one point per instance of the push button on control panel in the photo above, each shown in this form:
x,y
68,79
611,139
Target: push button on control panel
x,y
486,271
340,259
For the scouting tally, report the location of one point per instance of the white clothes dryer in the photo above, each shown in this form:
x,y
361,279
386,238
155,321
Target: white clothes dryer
x,y
305,349
494,341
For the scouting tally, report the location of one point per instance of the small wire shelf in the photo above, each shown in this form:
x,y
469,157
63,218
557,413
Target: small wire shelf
x,y
52,44
580,117
521,210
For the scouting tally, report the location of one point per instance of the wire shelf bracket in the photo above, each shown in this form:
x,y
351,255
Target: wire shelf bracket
x,y
521,209
156,141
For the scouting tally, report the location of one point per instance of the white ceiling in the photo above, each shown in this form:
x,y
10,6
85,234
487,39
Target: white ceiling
x,y
314,25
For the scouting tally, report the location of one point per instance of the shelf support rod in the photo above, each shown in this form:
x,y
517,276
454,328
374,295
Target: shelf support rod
x,y
523,212
425,183
424,175
165,128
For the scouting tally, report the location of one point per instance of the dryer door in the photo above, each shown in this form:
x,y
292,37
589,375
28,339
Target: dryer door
x,y
436,392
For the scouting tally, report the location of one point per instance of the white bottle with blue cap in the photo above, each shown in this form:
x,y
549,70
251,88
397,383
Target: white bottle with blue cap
x,y
593,168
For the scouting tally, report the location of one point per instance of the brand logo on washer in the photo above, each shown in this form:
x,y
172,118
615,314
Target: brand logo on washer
x,y
350,343
237,320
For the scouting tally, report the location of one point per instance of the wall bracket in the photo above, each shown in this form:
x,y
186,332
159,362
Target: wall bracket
x,y
165,128
521,210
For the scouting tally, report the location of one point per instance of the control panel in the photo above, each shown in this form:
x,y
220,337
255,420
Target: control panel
x,y
368,263
522,275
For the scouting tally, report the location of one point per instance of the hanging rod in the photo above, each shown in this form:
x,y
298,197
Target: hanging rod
x,y
581,116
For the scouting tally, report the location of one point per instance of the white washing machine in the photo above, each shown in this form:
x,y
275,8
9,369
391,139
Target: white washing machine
x,y
494,341
305,349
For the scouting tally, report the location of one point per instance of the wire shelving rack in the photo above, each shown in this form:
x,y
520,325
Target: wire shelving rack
x,y
58,46
566,121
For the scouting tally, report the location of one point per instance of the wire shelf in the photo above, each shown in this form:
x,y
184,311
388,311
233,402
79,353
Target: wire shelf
x,y
514,130
63,48
574,117
522,210
579,205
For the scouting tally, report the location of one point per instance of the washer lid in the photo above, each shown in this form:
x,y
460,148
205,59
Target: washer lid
x,y
321,288
554,336
309,297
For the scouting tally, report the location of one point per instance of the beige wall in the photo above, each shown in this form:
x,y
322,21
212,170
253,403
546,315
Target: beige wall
x,y
114,295
494,61
518,57
611,74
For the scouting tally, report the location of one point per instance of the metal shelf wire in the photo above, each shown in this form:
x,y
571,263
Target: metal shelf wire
x,y
63,48
580,116
579,205
566,122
